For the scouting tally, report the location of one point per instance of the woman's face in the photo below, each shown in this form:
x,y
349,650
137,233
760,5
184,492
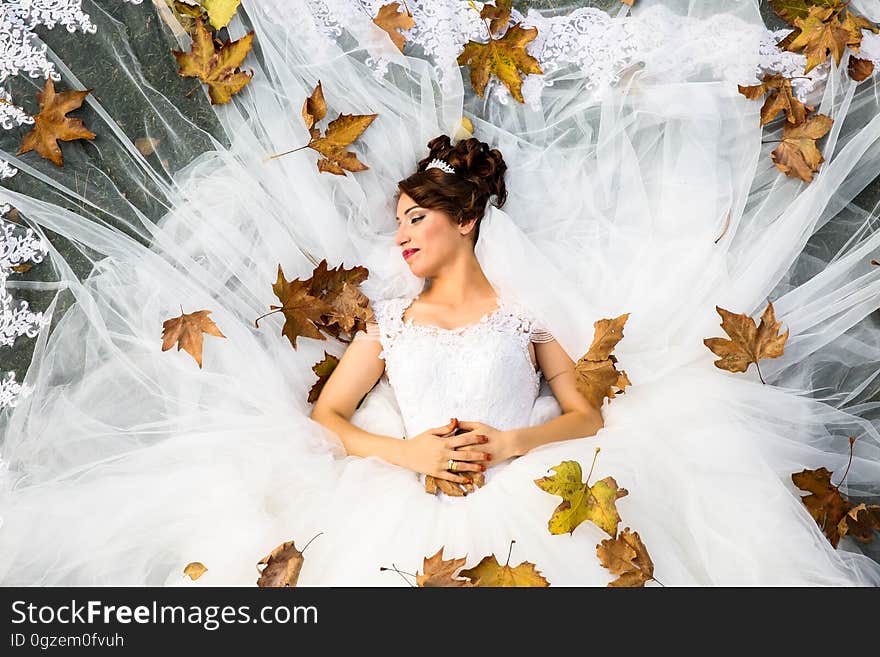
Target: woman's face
x,y
429,239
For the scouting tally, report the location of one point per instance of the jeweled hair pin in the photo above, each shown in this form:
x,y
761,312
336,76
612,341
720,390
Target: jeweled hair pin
x,y
437,163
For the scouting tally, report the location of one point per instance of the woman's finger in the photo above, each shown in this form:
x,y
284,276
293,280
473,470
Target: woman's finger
x,y
446,428
452,476
469,438
469,455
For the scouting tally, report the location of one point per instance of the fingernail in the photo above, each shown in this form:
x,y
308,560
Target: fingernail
x,y
482,468
488,457
484,440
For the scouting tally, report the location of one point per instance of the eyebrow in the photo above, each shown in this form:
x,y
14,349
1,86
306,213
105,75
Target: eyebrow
x,y
408,211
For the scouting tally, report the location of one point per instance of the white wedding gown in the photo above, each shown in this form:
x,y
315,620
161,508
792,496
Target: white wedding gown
x,y
638,183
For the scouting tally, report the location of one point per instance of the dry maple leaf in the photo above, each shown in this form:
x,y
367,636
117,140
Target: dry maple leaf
x,y
391,19
596,371
789,10
580,501
195,570
214,67
490,573
749,342
302,311
861,522
825,503
186,330
627,556
341,133
283,566
797,155
779,99
439,572
51,124
323,369
338,288
859,69
505,57
498,14
820,33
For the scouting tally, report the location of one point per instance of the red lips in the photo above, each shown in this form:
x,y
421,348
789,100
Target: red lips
x,y
408,252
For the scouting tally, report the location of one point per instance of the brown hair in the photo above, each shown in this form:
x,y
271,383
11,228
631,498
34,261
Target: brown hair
x,y
479,173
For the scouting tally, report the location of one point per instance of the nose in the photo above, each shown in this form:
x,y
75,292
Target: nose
x,y
401,237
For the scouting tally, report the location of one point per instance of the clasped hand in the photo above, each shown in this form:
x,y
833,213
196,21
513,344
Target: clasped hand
x,y
430,451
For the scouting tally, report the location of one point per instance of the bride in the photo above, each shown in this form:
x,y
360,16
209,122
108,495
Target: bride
x,y
454,427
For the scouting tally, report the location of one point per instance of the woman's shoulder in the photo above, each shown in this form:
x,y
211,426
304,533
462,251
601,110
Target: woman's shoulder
x,y
529,321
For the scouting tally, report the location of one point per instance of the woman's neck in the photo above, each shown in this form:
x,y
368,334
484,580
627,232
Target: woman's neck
x,y
459,286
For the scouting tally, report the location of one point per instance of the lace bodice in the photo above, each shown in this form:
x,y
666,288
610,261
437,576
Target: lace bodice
x,y
481,371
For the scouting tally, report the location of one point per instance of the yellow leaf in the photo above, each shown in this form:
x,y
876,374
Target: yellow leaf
x,y
195,570
580,501
220,12
505,58
490,573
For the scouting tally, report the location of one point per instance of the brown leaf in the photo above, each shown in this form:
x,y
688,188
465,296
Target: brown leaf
x,y
283,566
627,556
797,155
779,99
22,268
439,572
323,369
498,15
861,522
506,58
490,573
859,69
338,288
749,342
391,19
596,371
825,503
186,330
51,125
146,145
215,67
302,311
195,570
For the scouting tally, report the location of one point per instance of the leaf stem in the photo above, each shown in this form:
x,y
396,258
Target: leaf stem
x,y
595,454
310,541
293,150
758,367
401,573
852,439
509,550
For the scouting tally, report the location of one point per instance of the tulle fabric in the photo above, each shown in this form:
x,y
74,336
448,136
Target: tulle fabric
x,y
654,196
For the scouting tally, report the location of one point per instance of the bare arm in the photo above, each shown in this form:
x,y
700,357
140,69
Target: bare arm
x,y
355,375
579,418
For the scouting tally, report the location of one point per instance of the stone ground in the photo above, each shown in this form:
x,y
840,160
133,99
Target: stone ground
x,y
152,45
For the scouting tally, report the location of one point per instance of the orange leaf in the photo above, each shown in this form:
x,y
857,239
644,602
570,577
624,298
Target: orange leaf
x,y
186,330
51,124
748,342
861,522
859,69
391,19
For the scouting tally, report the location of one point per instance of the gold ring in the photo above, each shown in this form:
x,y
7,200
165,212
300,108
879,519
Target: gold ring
x,y
452,465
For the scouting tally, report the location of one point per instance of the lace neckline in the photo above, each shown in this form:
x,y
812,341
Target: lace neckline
x,y
408,322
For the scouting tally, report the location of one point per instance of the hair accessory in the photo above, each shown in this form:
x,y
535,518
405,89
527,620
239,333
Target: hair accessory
x,y
437,163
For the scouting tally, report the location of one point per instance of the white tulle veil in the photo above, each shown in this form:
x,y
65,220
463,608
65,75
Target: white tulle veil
x,y
654,195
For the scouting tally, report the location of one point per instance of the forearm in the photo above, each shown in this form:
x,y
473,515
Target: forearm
x,y
574,424
358,442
